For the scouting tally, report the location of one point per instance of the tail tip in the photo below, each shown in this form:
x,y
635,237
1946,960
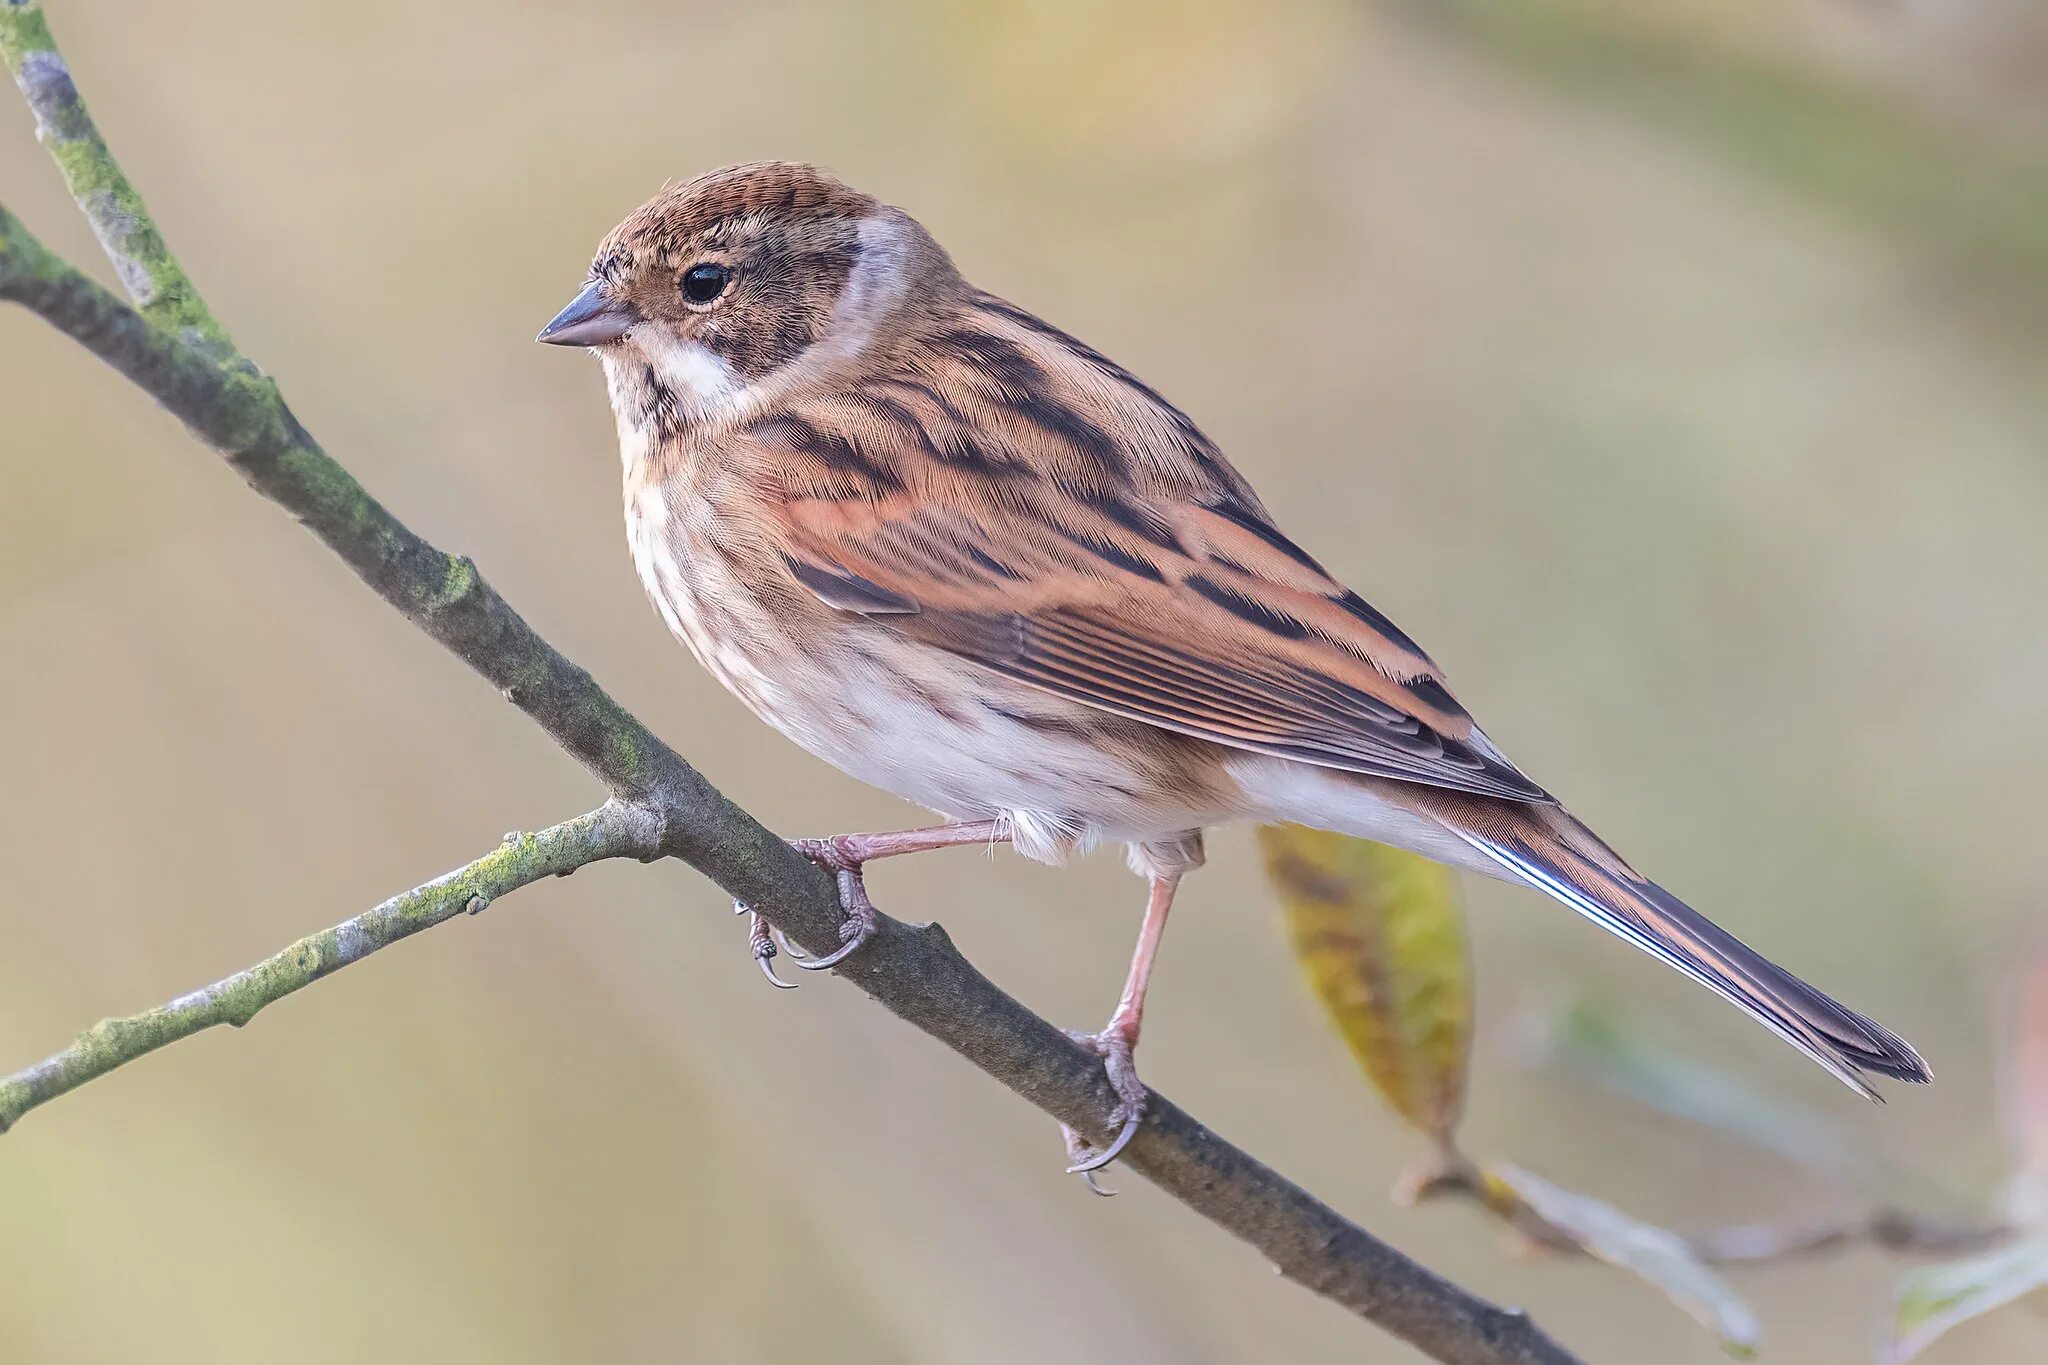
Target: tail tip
x,y
1887,1054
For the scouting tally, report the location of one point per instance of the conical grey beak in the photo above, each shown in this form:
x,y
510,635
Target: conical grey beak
x,y
591,319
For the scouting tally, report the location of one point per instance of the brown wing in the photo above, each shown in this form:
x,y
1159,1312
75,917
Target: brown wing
x,y
1017,500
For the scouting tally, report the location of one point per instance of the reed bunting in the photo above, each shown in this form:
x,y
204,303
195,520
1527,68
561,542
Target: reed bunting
x,y
962,556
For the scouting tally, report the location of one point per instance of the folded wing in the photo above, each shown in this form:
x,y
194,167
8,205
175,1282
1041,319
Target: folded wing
x,y
1199,619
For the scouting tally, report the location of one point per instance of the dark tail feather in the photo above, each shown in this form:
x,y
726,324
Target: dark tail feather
x,y
1563,858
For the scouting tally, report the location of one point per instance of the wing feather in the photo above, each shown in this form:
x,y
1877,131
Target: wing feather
x,y
1057,522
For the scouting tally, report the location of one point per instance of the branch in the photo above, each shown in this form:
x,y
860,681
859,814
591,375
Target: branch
x,y
148,271
1448,1173
173,351
612,830
1896,1230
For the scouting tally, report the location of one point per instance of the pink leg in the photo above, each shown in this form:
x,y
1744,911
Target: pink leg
x,y
854,849
843,855
1118,1041
1130,1007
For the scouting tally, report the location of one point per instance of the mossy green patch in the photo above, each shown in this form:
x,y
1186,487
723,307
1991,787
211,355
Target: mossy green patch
x,y
118,216
23,30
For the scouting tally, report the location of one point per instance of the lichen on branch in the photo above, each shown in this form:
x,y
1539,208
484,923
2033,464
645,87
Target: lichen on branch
x,y
613,830
148,271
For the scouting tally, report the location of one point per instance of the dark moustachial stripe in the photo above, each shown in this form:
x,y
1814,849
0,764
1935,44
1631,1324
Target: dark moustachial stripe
x,y
658,403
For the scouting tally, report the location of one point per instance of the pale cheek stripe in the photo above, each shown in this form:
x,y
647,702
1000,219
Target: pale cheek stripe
x,y
692,372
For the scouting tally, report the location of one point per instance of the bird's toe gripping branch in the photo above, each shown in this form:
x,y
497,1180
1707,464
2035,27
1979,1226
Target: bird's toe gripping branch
x,y
841,855
1116,1046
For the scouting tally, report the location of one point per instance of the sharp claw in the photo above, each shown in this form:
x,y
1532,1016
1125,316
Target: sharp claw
x,y
767,963
1081,1153
834,958
761,938
1111,1152
1113,1045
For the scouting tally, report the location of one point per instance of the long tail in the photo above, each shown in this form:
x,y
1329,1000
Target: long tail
x,y
1553,852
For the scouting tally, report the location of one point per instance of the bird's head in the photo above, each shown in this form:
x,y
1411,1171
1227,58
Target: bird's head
x,y
718,294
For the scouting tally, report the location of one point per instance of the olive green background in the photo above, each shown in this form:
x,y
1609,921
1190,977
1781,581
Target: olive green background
x,y
1673,371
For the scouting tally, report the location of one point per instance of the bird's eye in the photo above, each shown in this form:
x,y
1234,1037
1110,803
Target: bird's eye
x,y
704,282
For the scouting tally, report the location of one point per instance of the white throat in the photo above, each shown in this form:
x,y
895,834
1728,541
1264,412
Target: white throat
x,y
698,377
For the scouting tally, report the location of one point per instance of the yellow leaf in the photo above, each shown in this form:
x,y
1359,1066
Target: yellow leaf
x,y
1381,937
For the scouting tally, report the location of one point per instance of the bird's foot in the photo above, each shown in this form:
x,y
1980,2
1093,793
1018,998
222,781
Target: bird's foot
x,y
841,855
761,938
1116,1045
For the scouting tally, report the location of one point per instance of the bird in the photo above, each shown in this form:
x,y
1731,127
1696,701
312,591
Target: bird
x,y
969,559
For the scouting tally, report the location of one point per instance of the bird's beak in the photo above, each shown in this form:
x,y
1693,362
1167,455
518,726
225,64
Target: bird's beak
x,y
591,319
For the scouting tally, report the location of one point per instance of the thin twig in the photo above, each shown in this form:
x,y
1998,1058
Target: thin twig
x,y
613,830
148,271
914,971
1448,1173
1896,1230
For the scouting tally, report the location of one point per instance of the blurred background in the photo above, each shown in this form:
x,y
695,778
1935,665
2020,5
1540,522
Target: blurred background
x,y
1673,370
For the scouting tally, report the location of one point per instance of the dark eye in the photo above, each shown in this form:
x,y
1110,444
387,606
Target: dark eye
x,y
705,282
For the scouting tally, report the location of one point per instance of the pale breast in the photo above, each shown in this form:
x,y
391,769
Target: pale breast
x,y
913,720
700,596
